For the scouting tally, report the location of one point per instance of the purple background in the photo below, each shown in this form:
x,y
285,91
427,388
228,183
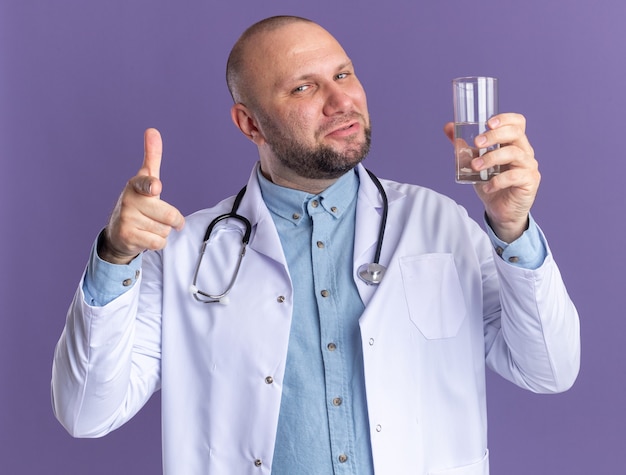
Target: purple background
x,y
80,81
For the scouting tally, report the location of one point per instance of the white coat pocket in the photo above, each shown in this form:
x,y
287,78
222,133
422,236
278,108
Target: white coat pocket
x,y
433,294
479,468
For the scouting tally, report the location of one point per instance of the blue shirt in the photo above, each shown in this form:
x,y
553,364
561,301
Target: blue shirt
x,y
323,424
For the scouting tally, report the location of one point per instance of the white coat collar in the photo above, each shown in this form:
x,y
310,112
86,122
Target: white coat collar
x,y
264,238
368,215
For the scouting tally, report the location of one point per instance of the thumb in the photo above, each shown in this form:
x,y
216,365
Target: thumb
x,y
448,129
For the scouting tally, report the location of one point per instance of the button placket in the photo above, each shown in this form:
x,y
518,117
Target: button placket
x,y
324,283
325,254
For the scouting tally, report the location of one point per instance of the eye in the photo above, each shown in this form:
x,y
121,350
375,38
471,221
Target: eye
x,y
301,89
342,75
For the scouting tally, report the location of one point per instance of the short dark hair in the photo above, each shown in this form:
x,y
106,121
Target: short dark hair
x,y
236,59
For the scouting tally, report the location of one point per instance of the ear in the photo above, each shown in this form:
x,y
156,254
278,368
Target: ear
x,y
244,121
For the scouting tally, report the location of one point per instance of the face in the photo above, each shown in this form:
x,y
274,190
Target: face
x,y
309,108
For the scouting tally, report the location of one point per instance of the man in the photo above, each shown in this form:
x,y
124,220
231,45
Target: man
x,y
304,368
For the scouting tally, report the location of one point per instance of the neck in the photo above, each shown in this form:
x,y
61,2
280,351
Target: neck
x,y
288,179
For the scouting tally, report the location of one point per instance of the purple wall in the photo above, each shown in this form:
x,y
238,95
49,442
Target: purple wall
x,y
80,81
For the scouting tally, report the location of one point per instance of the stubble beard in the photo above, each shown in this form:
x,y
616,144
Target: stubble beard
x,y
316,162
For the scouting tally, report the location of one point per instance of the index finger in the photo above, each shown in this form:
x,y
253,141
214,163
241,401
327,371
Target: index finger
x,y
506,129
152,153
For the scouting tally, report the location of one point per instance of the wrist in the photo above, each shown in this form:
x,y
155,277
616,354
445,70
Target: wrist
x,y
508,232
107,252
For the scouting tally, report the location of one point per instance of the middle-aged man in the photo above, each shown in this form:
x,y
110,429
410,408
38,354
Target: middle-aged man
x,y
304,368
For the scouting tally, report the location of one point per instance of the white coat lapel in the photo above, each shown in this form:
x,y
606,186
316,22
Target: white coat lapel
x,y
368,219
264,238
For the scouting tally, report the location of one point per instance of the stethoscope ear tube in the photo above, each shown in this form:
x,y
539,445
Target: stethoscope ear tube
x,y
222,298
232,214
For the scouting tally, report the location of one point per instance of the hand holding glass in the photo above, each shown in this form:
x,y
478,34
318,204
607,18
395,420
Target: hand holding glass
x,y
475,102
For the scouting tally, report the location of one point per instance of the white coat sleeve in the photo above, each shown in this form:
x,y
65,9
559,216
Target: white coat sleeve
x,y
107,361
532,327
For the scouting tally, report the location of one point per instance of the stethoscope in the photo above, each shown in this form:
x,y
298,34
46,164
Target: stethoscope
x,y
371,274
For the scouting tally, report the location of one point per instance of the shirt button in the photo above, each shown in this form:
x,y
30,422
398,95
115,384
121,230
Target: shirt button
x,y
499,250
343,458
334,209
280,298
513,259
295,216
337,401
371,342
325,293
315,203
320,244
379,428
269,380
258,463
127,282
331,347
137,274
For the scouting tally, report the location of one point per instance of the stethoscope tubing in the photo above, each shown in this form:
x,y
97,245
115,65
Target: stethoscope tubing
x,y
371,274
383,217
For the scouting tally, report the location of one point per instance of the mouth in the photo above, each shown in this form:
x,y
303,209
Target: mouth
x,y
344,130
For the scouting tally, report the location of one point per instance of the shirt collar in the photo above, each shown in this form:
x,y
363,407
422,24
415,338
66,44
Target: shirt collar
x,y
292,204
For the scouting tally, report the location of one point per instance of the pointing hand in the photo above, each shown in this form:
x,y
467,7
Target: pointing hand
x,y
140,219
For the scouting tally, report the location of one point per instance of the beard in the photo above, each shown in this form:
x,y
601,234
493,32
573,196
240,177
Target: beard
x,y
321,161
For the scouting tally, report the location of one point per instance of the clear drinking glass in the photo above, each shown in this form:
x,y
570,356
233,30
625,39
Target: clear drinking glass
x,y
475,102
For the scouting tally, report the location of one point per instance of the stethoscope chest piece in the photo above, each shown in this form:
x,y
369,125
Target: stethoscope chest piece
x,y
372,273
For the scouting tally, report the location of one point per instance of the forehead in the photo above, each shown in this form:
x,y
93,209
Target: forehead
x,y
295,49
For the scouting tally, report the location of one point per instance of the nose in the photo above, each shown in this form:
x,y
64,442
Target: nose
x,y
337,101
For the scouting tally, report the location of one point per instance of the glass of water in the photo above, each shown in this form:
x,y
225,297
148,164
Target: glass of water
x,y
475,102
